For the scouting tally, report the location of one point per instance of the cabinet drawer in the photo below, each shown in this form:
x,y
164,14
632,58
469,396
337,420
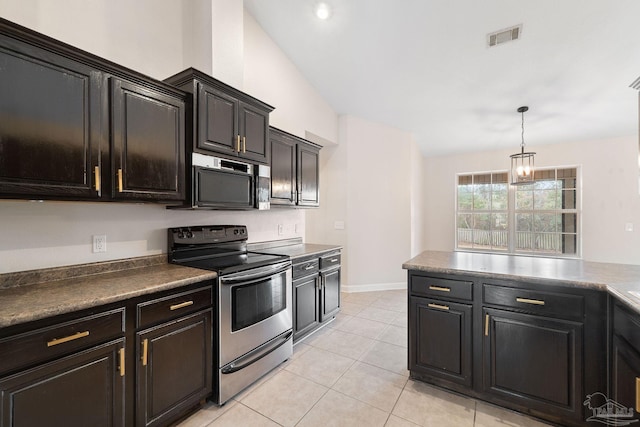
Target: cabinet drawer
x,y
537,302
328,261
443,288
172,306
305,268
60,339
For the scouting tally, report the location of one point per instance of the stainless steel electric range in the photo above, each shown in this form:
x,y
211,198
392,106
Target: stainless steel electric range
x,y
253,334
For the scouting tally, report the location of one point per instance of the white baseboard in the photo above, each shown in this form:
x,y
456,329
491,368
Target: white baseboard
x,y
374,287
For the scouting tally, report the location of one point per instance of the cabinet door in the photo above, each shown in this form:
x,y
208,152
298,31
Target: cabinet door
x,y
218,128
329,294
50,124
174,368
147,143
534,361
626,375
84,389
308,175
283,170
306,305
440,339
254,132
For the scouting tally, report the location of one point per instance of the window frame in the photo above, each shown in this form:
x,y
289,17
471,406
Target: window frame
x,y
511,216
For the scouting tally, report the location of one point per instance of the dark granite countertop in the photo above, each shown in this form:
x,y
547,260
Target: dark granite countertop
x,y
299,250
34,295
620,280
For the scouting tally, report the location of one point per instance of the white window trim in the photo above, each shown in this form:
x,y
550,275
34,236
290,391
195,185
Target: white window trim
x,y
511,212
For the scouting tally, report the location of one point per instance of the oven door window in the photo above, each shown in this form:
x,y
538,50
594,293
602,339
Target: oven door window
x,y
257,301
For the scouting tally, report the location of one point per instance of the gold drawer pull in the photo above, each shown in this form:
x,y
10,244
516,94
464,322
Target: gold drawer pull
x,y
439,288
637,394
244,144
334,260
57,341
441,307
120,186
309,267
181,305
530,301
486,325
237,143
121,352
145,350
96,178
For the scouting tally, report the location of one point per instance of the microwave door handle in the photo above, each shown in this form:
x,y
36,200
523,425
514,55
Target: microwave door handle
x,y
256,274
257,354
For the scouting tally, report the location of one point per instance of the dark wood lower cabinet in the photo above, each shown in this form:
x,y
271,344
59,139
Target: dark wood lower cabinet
x,y
84,389
306,301
174,368
330,293
625,361
534,361
440,342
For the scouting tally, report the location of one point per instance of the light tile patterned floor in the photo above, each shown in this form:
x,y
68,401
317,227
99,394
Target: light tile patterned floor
x,y
354,373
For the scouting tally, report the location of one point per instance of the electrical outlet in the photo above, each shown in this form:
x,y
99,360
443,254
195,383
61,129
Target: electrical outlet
x,y
280,229
100,243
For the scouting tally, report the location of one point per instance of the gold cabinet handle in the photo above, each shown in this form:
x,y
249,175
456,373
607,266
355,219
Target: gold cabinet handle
x,y
334,260
441,307
309,267
57,341
96,178
237,143
120,180
121,353
181,305
637,394
440,288
530,301
244,144
486,325
145,350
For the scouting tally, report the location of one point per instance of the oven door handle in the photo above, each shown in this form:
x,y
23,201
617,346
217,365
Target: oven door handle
x,y
257,354
255,273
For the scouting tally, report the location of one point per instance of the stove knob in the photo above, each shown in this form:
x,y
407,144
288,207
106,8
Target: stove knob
x,y
242,231
236,231
189,234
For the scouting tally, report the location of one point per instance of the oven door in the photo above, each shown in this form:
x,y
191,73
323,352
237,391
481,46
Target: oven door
x,y
255,307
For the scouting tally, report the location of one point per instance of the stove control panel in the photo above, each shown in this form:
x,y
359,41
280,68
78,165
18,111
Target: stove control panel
x,y
207,234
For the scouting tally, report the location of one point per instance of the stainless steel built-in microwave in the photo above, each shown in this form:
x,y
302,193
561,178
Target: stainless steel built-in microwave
x,y
228,184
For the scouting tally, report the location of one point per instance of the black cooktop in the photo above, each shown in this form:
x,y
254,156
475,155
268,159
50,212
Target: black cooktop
x,y
220,248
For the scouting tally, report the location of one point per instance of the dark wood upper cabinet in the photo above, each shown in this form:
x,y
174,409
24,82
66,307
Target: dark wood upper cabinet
x,y
224,120
66,133
283,169
51,128
308,175
147,131
295,170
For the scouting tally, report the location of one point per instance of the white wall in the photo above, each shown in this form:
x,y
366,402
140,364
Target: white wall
x,y
154,37
369,177
270,76
609,193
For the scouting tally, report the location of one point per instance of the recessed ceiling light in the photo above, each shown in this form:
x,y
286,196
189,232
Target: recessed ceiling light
x,y
323,11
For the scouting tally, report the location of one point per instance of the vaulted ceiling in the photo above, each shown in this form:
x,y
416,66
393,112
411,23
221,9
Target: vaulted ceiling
x,y
424,66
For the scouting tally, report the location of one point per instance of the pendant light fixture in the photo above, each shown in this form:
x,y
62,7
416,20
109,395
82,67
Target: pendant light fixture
x,y
522,165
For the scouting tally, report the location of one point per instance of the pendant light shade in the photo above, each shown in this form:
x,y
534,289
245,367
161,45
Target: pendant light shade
x,y
522,163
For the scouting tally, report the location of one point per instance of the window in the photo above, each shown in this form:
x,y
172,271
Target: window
x,y
540,218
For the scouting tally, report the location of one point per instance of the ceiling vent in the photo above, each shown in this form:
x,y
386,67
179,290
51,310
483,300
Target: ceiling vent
x,y
503,36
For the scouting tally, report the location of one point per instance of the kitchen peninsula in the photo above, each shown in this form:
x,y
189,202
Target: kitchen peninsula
x,y
534,334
